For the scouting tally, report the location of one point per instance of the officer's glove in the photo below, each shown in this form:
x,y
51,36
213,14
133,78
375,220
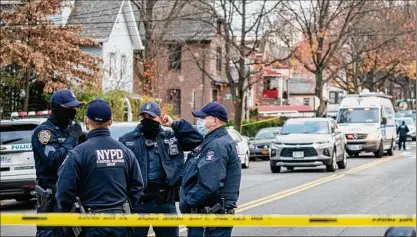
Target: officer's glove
x,y
75,130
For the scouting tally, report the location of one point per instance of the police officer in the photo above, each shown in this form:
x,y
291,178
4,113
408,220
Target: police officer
x,y
402,131
51,142
161,158
212,174
102,172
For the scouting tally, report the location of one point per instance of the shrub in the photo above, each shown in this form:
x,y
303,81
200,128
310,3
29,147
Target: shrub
x,y
250,128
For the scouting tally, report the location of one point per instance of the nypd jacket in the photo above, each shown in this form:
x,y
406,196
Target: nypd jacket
x,y
171,146
213,171
101,172
402,130
50,145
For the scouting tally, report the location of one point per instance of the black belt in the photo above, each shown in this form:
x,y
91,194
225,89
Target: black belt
x,y
104,209
223,211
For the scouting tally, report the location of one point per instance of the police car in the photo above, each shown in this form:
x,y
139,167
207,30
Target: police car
x,y
18,172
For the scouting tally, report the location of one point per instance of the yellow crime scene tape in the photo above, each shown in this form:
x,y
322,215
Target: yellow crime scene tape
x,y
76,219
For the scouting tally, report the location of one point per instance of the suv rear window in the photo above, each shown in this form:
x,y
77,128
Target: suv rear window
x,y
16,134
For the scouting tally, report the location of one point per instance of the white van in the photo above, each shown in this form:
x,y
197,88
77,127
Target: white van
x,y
368,122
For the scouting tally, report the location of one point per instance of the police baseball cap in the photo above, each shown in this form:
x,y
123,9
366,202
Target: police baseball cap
x,y
151,108
99,110
213,109
66,98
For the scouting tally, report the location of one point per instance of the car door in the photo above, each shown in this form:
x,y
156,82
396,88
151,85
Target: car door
x,y
235,136
338,138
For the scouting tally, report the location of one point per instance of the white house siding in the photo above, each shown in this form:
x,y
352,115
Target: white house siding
x,y
333,106
118,57
299,100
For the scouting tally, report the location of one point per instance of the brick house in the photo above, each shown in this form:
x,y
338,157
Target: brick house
x,y
190,66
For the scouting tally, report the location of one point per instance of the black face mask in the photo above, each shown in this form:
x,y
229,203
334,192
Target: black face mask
x,y
150,128
64,116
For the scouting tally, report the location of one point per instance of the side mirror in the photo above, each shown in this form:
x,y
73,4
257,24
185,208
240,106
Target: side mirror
x,y
400,231
384,121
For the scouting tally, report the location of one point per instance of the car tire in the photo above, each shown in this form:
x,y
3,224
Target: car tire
x,y
332,167
391,149
414,139
245,164
290,168
343,163
275,169
380,152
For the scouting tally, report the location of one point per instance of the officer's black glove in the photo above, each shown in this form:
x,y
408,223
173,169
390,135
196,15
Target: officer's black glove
x,y
75,130
82,138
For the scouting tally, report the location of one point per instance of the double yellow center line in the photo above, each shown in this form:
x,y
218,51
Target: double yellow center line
x,y
303,187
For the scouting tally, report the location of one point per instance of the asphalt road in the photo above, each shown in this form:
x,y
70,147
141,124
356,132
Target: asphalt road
x,y
368,186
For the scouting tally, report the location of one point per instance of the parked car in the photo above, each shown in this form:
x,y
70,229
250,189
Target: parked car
x,y
409,121
242,147
260,144
18,174
309,142
118,129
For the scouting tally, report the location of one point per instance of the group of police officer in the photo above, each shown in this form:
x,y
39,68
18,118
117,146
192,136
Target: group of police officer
x,y
143,172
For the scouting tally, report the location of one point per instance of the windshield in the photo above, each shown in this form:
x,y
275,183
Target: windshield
x,y
358,115
267,134
408,122
116,131
313,127
16,134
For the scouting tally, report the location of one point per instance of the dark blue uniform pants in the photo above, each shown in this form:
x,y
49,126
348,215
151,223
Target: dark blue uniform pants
x,y
153,207
401,142
209,231
47,231
105,231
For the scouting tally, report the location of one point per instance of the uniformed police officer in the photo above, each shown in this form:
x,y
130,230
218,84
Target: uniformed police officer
x,y
161,158
212,174
402,131
102,172
51,142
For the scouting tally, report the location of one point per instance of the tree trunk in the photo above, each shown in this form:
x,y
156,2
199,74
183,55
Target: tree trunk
x,y
27,87
238,114
319,93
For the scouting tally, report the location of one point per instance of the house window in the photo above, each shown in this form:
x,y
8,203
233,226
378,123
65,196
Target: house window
x,y
306,101
215,94
174,51
219,59
174,98
335,97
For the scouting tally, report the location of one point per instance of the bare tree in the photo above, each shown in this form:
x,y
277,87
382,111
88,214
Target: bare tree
x,y
155,18
241,31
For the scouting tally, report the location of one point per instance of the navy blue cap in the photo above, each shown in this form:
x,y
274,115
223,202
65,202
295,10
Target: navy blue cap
x,y
151,108
66,98
213,109
99,110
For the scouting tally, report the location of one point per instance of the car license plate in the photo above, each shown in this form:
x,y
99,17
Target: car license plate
x,y
298,154
265,152
355,147
5,160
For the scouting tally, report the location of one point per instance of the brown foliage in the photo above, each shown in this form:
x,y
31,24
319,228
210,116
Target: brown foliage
x,y
51,53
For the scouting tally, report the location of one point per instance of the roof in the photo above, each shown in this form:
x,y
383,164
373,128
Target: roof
x,y
281,108
189,24
23,121
99,16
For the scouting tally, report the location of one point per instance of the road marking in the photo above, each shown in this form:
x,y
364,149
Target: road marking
x,y
300,188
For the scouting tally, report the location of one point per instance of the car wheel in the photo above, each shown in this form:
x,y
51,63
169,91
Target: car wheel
x,y
414,139
380,152
290,168
275,169
391,149
245,164
332,167
343,163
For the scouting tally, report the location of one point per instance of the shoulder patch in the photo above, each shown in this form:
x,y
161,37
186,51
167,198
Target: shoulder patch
x,y
210,155
44,136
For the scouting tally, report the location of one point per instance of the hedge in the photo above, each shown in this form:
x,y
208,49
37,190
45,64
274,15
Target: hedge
x,y
252,127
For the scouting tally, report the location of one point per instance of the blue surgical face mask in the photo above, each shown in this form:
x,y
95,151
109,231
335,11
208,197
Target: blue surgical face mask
x,y
201,127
